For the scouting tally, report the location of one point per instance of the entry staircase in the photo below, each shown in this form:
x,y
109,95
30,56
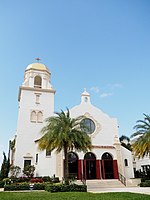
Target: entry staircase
x,y
97,184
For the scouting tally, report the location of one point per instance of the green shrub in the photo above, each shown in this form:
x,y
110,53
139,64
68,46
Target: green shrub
x,y
145,184
23,179
2,183
23,186
46,179
144,179
66,188
53,188
39,186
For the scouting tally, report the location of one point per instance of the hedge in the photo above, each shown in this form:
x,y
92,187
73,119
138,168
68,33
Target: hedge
x,y
145,184
65,188
25,186
2,183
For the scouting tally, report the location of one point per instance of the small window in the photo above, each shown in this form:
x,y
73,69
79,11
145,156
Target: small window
x,y
36,158
39,116
38,82
86,99
33,116
125,162
37,98
27,162
48,152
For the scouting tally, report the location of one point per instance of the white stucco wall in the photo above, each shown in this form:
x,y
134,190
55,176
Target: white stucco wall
x,y
128,170
107,127
28,131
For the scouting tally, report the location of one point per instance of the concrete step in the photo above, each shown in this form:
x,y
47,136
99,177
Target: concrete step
x,y
111,183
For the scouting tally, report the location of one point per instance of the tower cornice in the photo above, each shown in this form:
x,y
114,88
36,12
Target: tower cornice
x,y
50,90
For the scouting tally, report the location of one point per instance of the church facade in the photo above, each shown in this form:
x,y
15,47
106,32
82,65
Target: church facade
x,y
106,160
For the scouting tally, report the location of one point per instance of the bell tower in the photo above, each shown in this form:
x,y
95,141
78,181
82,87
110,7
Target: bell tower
x,y
36,103
85,97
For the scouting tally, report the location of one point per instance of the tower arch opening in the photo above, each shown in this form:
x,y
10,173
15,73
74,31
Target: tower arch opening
x,y
37,82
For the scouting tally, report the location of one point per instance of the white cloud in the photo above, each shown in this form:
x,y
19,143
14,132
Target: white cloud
x,y
116,85
103,95
95,89
106,91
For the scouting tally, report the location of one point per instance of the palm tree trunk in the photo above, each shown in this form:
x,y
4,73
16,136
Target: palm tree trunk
x,y
66,171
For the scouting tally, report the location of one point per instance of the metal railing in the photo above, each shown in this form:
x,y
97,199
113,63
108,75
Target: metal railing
x,y
83,179
122,179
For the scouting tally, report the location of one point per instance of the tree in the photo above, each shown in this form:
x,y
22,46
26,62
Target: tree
x,y
141,138
29,170
125,142
5,167
64,133
14,171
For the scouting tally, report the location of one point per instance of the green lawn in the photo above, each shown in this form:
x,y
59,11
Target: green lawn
x,y
70,196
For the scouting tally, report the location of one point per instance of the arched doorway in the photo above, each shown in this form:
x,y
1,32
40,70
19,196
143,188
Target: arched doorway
x,y
89,166
73,165
107,166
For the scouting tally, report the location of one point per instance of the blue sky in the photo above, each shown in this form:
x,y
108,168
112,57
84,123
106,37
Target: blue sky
x,y
103,45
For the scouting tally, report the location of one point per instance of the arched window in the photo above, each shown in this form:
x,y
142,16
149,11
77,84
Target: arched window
x,y
85,99
106,156
125,162
38,82
89,156
40,117
72,157
33,116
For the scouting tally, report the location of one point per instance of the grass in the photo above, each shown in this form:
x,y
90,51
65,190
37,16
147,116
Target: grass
x,y
71,196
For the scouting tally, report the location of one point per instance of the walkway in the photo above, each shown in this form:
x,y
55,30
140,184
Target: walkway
x,y
141,190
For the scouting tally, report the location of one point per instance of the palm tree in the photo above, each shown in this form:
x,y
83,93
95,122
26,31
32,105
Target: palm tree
x,y
141,138
64,133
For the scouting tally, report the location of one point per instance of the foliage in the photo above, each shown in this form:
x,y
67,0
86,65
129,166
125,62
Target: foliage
x,y
46,179
14,171
36,180
22,179
125,142
123,138
39,186
5,167
29,170
66,188
13,187
24,186
145,184
2,183
64,133
12,144
141,138
71,195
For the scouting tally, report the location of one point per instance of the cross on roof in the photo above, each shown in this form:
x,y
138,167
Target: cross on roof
x,y
37,59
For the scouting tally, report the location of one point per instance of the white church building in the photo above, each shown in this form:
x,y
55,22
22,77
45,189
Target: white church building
x,y
107,158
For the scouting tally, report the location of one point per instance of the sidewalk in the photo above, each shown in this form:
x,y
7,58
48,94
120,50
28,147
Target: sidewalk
x,y
141,190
